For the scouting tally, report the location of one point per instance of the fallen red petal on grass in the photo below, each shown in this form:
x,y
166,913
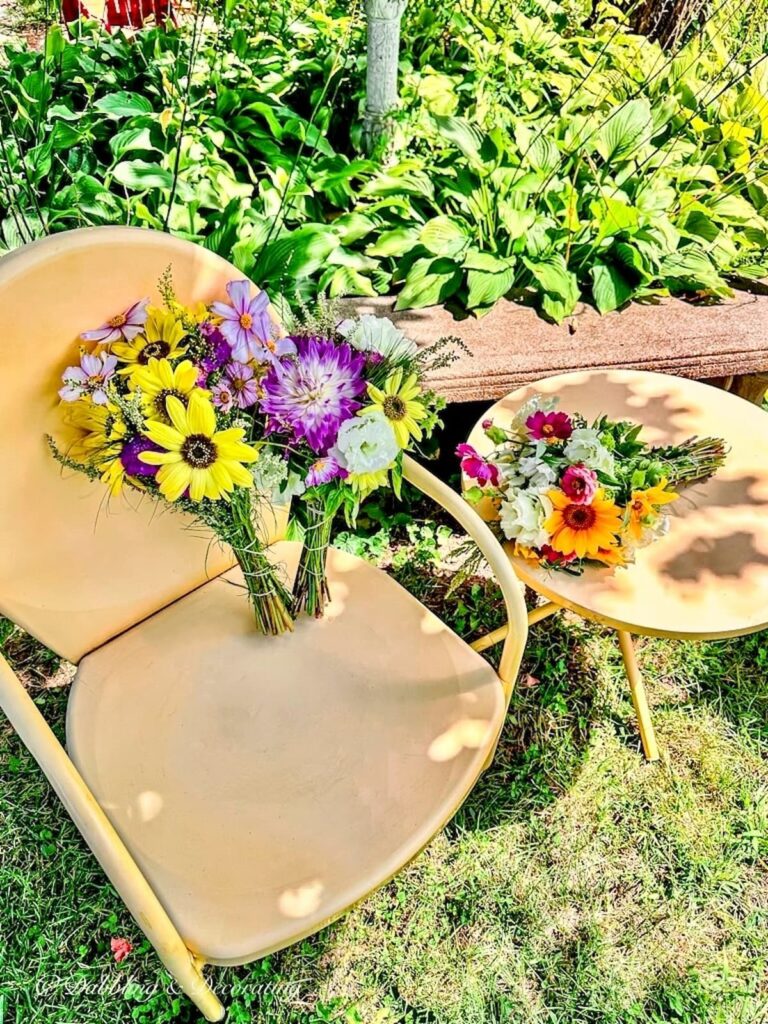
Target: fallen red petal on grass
x,y
120,949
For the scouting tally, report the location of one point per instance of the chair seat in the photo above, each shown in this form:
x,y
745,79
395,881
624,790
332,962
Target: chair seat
x,y
264,784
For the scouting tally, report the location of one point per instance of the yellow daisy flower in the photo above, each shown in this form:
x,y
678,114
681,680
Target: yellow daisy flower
x,y
582,530
100,433
398,401
162,338
644,504
364,483
197,456
159,381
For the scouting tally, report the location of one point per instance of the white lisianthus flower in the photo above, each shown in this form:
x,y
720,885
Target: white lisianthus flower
x,y
370,333
522,518
366,444
585,446
535,404
539,475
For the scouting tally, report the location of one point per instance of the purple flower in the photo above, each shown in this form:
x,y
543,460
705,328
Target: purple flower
x,y
245,324
217,351
223,396
129,456
487,424
89,378
310,396
475,466
240,380
125,325
273,351
324,470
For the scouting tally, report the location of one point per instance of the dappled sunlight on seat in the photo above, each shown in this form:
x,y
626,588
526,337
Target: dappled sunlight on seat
x,y
466,734
301,901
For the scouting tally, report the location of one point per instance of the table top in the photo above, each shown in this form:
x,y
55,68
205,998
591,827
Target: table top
x,y
708,577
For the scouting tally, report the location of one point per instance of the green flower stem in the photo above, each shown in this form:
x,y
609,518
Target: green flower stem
x,y
310,589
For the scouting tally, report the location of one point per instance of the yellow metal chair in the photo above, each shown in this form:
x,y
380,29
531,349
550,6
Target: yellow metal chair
x,y
240,792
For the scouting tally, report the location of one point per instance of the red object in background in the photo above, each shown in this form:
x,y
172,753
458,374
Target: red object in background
x,y
120,13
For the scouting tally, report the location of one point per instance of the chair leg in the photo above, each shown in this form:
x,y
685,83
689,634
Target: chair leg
x,y
194,985
639,699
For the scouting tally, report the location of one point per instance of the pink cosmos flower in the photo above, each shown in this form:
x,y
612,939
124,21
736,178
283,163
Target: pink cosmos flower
x,y
223,396
245,324
580,484
125,325
89,378
120,949
475,466
240,380
549,426
324,470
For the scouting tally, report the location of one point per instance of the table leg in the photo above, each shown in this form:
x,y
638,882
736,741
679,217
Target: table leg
x,y
536,614
639,699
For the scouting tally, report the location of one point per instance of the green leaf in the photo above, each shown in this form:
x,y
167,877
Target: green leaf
x,y
466,136
624,131
396,242
489,277
553,275
609,288
614,216
690,269
429,282
299,253
444,236
131,138
140,175
338,281
123,104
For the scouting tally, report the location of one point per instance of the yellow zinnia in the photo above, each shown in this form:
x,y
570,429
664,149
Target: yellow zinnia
x,y
398,401
197,456
161,339
582,530
644,504
159,381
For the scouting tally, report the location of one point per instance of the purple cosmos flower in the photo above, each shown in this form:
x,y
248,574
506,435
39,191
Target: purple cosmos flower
x,y
549,426
89,378
245,324
324,470
223,396
580,484
475,466
129,456
272,351
125,325
311,396
240,380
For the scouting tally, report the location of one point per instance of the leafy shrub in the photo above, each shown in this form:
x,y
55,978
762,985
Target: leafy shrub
x,y
531,157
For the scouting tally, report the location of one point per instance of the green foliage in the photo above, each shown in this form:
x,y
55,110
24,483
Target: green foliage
x,y
532,156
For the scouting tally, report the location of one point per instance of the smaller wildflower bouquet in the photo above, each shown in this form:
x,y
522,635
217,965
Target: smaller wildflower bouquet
x,y
569,493
163,400
340,411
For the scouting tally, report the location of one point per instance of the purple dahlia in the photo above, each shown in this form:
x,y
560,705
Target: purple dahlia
x,y
311,395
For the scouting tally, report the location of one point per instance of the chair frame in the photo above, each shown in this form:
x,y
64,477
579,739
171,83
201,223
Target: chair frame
x,y
110,851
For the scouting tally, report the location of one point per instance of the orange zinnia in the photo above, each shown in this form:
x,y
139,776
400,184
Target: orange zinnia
x,y
582,530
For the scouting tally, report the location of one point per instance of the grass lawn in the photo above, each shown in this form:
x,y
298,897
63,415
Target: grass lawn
x,y
578,885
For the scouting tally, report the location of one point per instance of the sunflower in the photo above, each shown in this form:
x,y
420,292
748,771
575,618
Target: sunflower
x,y
644,504
582,530
397,400
197,457
162,338
159,381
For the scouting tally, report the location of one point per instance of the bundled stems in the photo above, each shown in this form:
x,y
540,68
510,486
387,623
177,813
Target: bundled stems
x,y
310,589
695,459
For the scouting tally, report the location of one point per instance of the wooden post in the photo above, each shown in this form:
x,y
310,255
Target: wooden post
x,y
383,17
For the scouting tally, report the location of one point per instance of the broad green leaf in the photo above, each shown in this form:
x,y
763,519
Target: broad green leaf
x,y
553,276
297,254
396,242
486,287
123,104
465,135
731,209
429,282
625,130
614,216
444,236
690,269
140,174
609,287
339,281
131,138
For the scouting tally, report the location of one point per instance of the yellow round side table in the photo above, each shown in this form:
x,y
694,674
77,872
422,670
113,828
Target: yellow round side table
x,y
708,577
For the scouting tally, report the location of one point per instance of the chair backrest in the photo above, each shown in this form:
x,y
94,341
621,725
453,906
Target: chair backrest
x,y
76,569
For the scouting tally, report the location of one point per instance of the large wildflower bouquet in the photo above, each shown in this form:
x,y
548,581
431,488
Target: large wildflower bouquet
x,y
339,413
568,493
162,400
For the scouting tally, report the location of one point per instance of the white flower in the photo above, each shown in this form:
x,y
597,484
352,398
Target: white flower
x,y
522,518
538,402
370,333
585,446
539,475
651,532
366,444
